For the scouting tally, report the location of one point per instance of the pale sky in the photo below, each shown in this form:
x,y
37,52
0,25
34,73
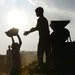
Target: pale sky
x,y
21,14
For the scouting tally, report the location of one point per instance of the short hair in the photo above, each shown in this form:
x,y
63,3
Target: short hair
x,y
39,9
8,46
15,45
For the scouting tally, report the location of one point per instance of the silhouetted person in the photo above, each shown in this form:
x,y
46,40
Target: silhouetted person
x,y
44,37
58,38
9,58
16,62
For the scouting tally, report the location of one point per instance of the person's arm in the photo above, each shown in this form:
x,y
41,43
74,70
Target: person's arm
x,y
20,42
12,40
31,30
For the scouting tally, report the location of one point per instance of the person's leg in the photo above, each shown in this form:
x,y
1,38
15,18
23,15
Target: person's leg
x,y
48,61
40,57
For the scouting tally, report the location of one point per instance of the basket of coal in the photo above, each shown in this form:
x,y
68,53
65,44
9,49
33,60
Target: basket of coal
x,y
12,32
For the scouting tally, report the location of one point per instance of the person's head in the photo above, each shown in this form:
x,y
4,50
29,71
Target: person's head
x,y
9,46
15,45
39,11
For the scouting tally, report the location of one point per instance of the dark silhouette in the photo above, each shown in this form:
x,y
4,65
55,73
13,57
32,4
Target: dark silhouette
x,y
58,38
9,58
44,37
16,62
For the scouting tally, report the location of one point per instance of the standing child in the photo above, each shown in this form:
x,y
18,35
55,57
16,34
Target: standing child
x,y
16,62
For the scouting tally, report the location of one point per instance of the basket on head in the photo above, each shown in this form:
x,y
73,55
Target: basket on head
x,y
12,32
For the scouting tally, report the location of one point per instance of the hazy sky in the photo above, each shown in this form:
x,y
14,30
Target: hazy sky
x,y
21,14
